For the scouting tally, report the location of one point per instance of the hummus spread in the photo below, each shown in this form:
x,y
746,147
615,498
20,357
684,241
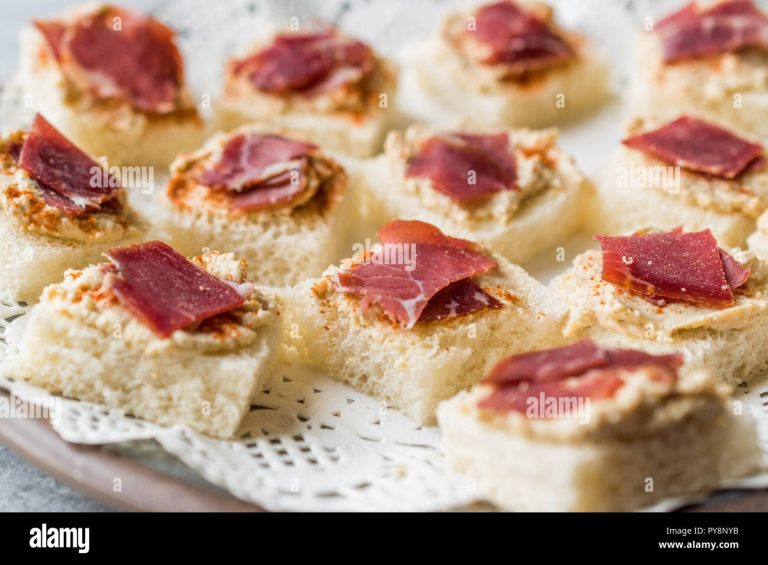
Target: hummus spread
x,y
540,164
22,204
644,405
747,194
594,302
85,295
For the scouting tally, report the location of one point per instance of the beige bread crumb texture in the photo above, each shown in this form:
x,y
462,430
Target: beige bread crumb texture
x,y
81,343
484,95
110,128
617,209
358,136
727,342
543,210
682,443
30,262
412,370
352,118
38,242
729,89
283,245
639,190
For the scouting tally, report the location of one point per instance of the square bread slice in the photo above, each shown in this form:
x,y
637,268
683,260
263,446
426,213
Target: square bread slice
x,y
650,441
38,242
543,209
81,342
284,244
640,190
728,342
485,94
351,116
730,89
412,370
108,126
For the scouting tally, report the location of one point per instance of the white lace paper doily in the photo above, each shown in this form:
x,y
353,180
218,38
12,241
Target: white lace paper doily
x,y
311,443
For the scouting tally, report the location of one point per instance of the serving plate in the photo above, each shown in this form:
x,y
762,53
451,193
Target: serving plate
x,y
129,477
310,443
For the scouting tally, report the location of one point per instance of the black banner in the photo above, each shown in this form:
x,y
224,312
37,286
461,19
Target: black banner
x,y
361,536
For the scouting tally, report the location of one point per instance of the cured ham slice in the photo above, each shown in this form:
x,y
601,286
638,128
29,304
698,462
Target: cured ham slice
x,y
308,63
248,160
517,39
422,233
260,170
673,266
458,299
696,33
276,191
466,167
404,289
700,147
735,274
54,34
548,365
63,172
631,358
582,369
595,386
120,54
166,291
53,198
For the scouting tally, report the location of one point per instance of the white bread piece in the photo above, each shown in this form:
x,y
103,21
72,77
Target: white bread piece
x,y
413,370
474,92
284,251
282,247
640,190
122,134
728,342
29,262
730,89
357,137
618,210
358,132
758,241
83,346
38,242
519,470
551,210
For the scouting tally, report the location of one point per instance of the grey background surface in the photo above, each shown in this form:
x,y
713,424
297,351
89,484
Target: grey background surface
x,y
23,488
